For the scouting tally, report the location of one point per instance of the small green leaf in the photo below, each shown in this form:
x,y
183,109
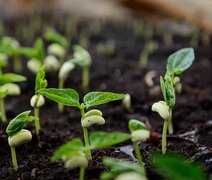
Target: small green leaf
x,y
97,98
179,61
136,125
19,122
39,49
10,77
40,81
176,167
107,139
68,97
73,146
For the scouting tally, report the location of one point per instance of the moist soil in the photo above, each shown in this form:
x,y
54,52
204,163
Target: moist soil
x,y
119,72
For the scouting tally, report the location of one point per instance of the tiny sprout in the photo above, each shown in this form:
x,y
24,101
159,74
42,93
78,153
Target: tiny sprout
x,y
38,100
130,175
18,135
11,88
3,61
73,153
126,101
70,97
58,51
34,65
51,63
139,132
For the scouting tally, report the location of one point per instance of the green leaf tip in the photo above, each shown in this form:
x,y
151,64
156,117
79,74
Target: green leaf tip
x,y
40,81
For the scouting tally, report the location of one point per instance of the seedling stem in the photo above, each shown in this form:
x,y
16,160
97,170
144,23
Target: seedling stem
x,y
138,155
2,110
165,126
14,159
85,77
82,173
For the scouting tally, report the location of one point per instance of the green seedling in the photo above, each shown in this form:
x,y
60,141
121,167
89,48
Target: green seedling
x,y
126,102
177,167
178,62
35,54
38,100
11,46
107,48
7,87
52,64
73,153
122,170
59,44
70,97
139,132
149,48
18,135
3,61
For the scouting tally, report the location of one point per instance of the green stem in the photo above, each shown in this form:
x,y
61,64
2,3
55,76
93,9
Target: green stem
x,y
82,173
14,159
2,110
17,65
138,154
85,134
164,145
61,85
85,77
37,121
170,127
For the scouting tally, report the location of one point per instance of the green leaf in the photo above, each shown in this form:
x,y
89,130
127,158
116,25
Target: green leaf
x,y
136,125
55,37
11,77
19,122
73,146
39,49
68,97
107,139
3,93
97,98
40,81
181,60
176,167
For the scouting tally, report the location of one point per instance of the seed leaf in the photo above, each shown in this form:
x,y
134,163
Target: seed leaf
x,y
73,146
97,98
107,139
11,77
136,125
68,97
40,81
176,167
179,61
19,122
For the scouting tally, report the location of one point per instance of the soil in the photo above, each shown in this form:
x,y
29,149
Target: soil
x,y
192,115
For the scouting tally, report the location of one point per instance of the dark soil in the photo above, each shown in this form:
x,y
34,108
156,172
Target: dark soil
x,y
192,115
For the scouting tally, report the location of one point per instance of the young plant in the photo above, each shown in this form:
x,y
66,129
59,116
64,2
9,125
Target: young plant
x,y
122,170
178,62
18,135
73,153
177,167
11,46
70,97
7,87
38,100
3,61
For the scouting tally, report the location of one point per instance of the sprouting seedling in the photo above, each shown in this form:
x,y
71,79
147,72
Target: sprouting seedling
x,y
70,97
177,167
35,54
3,61
122,170
82,59
38,100
178,62
59,44
139,132
149,48
10,46
126,101
73,153
7,87
18,135
107,48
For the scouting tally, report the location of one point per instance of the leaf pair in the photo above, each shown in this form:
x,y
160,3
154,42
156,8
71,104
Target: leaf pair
x,y
97,140
70,97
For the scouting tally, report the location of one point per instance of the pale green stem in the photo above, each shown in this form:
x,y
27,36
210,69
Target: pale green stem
x,y
37,115
17,65
86,139
170,128
164,145
2,110
82,173
14,159
138,154
61,85
85,77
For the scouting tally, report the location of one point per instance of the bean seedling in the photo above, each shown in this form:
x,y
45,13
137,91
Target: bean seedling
x,y
74,152
18,135
38,100
70,97
7,87
178,62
